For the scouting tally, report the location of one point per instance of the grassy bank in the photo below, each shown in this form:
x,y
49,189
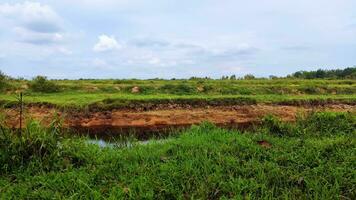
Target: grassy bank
x,y
110,94
313,158
107,101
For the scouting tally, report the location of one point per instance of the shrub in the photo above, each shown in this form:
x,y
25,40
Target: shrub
x,y
42,84
3,81
178,89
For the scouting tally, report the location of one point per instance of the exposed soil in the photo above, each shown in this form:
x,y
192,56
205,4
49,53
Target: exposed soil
x,y
156,120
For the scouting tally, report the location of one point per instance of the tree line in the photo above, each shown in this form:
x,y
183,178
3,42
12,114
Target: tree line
x,y
347,73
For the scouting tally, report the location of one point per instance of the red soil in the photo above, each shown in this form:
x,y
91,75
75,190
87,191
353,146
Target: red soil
x,y
169,117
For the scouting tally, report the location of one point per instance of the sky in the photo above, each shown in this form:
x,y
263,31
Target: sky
x,y
174,38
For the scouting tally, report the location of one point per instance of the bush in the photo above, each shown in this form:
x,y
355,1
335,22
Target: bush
x,y
178,89
42,84
3,81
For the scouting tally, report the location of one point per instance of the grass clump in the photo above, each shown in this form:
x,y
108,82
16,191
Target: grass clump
x,y
38,149
42,84
316,124
328,123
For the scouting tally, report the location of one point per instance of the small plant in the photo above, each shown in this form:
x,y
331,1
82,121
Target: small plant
x,y
42,84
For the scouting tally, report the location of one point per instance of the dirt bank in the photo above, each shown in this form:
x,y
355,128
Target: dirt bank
x,y
153,120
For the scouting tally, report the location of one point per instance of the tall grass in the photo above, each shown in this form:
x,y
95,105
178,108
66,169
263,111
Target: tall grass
x,y
311,159
38,149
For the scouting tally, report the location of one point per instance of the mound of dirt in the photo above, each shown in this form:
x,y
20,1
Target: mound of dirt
x,y
135,90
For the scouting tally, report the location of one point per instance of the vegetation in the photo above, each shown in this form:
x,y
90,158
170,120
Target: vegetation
x,y
112,93
311,159
3,82
41,84
348,73
104,94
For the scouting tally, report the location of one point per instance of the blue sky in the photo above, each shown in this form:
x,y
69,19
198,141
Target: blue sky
x,y
174,38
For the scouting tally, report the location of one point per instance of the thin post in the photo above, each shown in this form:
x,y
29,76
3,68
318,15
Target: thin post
x,y
21,111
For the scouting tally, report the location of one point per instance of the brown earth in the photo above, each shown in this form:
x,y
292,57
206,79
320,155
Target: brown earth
x,y
155,120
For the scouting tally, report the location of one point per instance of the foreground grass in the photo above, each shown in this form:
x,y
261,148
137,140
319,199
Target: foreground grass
x,y
314,159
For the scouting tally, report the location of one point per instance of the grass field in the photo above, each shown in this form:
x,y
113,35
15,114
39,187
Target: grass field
x,y
118,93
311,159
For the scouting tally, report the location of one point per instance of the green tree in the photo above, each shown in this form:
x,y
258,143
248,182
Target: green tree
x,y
233,77
249,77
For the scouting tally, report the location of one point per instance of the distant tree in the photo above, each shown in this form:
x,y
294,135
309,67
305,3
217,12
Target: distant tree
x,y
249,77
224,77
322,74
298,74
233,77
2,76
273,77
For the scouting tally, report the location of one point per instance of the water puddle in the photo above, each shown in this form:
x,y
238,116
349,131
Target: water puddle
x,y
124,144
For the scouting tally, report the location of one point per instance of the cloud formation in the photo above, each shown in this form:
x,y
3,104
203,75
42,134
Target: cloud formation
x,y
106,43
33,22
135,38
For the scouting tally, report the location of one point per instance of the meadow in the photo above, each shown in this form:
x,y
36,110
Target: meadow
x,y
108,94
313,158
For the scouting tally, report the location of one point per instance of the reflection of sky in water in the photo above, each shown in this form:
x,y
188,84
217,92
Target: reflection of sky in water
x,y
100,142
103,143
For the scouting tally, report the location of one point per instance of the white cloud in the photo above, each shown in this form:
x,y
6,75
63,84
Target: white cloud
x,y
32,16
33,22
106,43
36,38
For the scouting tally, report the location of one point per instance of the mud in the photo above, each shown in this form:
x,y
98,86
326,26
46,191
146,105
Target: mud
x,y
120,121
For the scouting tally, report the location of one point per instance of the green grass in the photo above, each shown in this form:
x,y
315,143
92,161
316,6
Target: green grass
x,y
313,158
113,100
117,93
